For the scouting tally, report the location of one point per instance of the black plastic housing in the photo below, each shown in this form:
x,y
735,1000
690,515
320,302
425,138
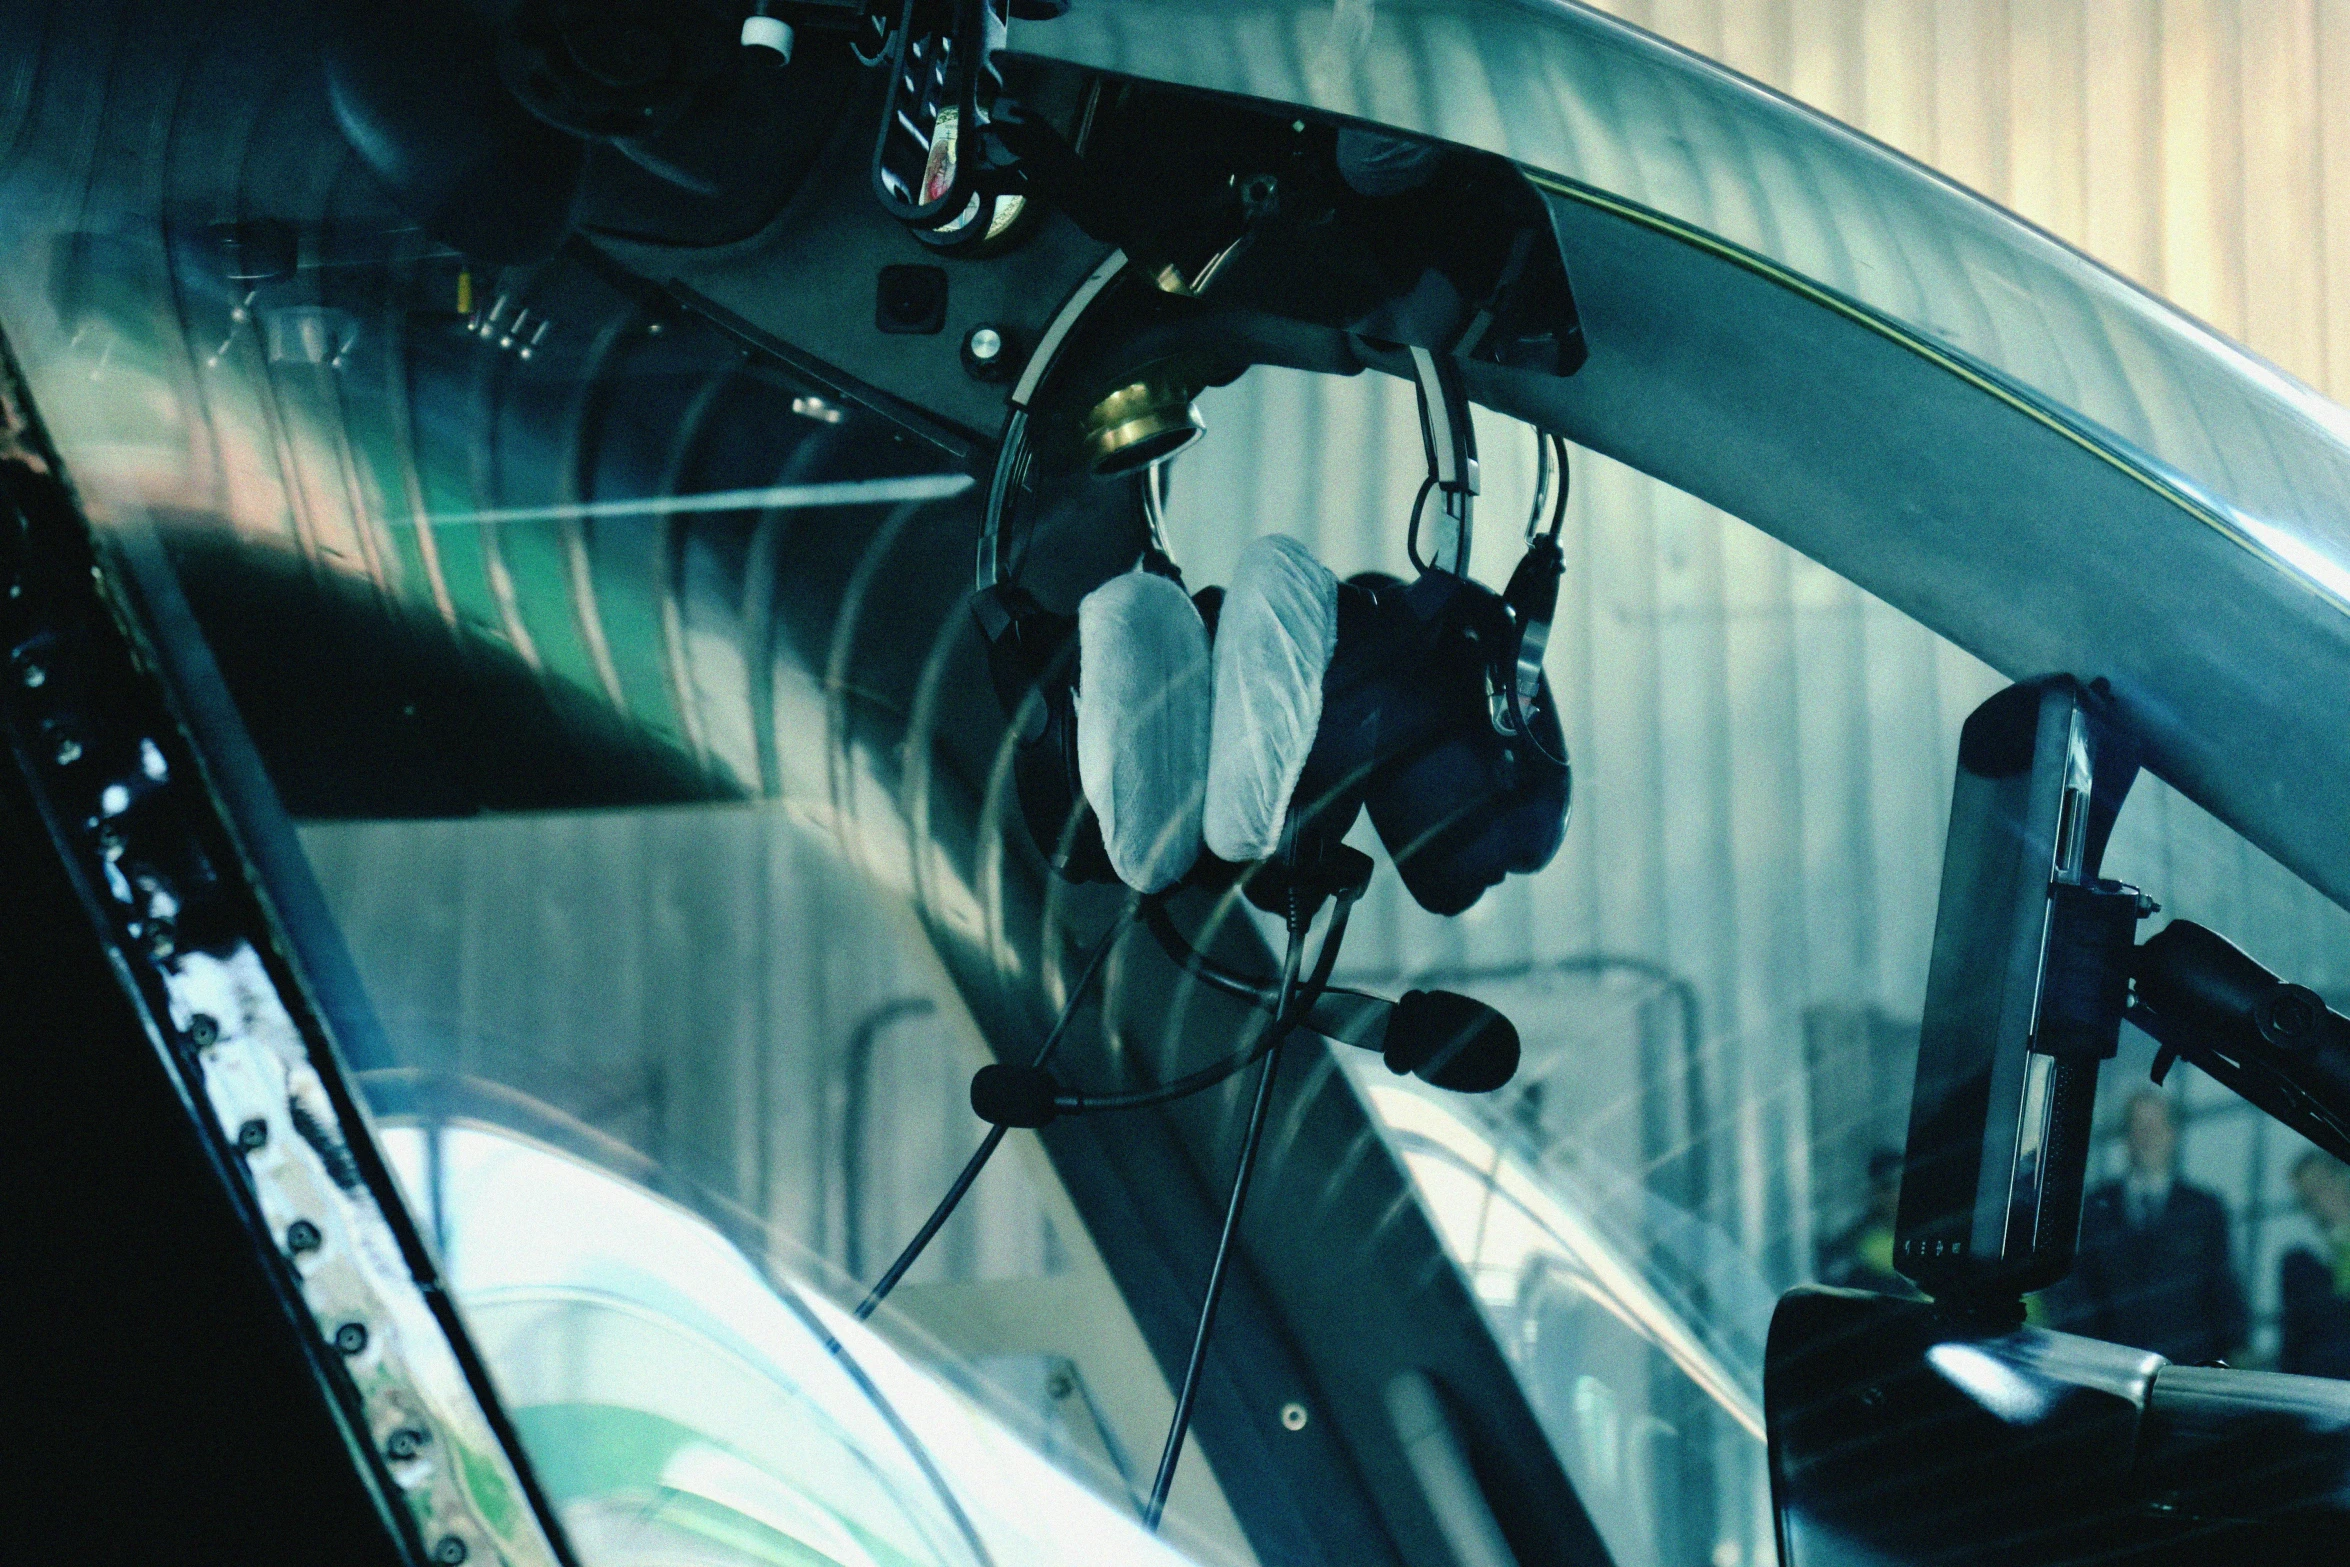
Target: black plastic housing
x,y
2030,954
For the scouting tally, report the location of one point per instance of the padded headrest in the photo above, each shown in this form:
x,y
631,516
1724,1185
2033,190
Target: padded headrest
x,y
1274,638
1143,695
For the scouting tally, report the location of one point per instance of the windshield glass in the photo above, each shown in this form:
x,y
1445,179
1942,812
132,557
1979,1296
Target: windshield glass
x,y
641,756
732,1005
684,1402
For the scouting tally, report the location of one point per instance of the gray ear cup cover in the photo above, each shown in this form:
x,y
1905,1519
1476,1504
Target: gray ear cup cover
x,y
1274,639
1143,699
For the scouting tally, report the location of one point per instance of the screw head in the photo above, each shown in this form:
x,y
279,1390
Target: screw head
x,y
350,1338
1293,1416
405,1444
204,1030
449,1551
2290,1017
253,1135
987,354
302,1236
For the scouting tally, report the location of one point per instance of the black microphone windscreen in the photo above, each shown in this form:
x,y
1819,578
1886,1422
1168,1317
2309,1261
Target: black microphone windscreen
x,y
1003,1095
1452,1041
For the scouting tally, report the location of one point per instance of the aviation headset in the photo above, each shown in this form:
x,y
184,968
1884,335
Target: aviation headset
x,y
1201,755
1312,699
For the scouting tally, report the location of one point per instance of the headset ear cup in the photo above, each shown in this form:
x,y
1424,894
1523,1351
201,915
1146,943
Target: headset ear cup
x,y
1032,663
1473,809
1044,772
1458,805
1143,720
1274,640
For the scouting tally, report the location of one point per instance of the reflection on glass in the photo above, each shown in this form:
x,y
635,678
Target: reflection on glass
x,y
1648,1403
682,1407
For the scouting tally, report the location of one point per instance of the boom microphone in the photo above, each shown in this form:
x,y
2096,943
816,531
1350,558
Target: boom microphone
x,y
1005,1094
1450,1040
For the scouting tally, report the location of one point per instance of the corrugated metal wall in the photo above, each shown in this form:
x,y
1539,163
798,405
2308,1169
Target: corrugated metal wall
x,y
2200,147
1763,752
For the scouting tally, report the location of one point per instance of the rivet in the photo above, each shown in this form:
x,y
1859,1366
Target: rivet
x,y
1293,1416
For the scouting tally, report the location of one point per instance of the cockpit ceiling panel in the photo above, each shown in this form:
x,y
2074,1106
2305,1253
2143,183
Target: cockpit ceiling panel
x,y
2068,473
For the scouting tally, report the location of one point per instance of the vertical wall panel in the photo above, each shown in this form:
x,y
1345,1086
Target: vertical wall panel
x,y
2202,188
2047,77
2331,88
2284,258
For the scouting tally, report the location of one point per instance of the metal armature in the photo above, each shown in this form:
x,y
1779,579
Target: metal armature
x,y
170,894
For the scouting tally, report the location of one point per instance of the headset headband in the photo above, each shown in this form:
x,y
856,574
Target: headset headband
x,y
1450,440
1446,433
1011,461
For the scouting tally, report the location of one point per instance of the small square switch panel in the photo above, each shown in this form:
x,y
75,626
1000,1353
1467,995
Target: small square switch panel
x,y
911,299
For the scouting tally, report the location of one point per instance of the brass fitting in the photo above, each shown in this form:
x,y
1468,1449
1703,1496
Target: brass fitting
x,y
1140,424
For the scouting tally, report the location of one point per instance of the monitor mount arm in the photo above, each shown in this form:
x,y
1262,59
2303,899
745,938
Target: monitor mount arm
x,y
2276,1044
